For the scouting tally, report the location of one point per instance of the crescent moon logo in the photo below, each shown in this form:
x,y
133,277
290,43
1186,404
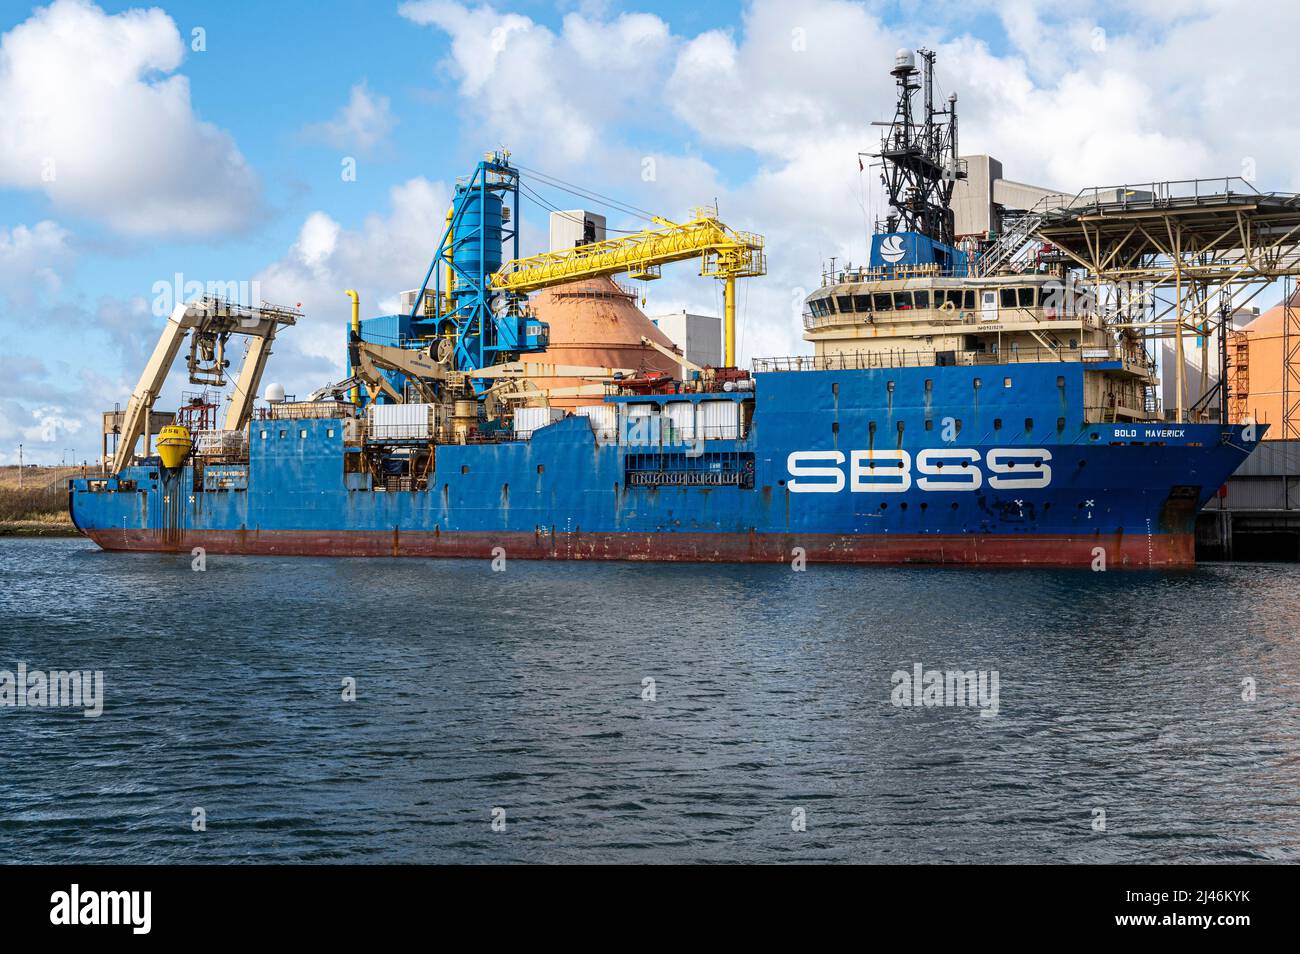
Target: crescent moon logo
x,y
891,249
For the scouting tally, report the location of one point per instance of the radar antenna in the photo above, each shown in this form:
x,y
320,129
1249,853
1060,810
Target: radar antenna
x,y
920,154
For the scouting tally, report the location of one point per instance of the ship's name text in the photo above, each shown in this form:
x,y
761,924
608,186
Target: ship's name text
x,y
936,468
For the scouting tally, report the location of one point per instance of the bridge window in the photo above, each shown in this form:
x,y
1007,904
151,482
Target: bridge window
x,y
844,303
1025,297
862,302
882,302
1008,298
902,301
922,299
970,300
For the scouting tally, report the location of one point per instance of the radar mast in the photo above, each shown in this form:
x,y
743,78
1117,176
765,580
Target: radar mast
x,y
919,154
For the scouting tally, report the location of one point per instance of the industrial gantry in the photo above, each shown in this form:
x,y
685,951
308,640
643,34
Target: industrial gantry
x,y
1214,243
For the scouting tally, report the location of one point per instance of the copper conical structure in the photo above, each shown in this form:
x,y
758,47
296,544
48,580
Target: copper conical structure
x,y
595,323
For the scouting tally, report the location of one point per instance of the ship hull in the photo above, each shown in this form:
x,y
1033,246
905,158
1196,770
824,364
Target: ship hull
x,y
896,466
1120,550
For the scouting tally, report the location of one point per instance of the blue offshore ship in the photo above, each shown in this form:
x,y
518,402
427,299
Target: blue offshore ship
x,y
952,411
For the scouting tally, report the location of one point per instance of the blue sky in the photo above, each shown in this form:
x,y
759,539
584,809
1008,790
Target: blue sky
x,y
224,163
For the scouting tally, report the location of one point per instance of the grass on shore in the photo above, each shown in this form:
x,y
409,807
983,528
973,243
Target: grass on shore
x,y
40,506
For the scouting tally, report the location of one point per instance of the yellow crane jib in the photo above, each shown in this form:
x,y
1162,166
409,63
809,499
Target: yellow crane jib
x,y
724,253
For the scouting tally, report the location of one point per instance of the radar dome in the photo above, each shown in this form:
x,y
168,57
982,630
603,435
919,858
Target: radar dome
x,y
275,393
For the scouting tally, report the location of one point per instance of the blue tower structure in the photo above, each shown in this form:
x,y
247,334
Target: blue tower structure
x,y
487,326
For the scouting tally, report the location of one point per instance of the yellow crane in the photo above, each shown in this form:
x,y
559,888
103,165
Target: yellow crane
x,y
724,253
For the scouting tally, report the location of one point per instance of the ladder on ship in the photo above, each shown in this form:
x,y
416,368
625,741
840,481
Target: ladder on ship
x,y
1010,244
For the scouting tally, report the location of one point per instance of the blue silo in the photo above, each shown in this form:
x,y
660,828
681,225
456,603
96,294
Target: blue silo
x,y
478,231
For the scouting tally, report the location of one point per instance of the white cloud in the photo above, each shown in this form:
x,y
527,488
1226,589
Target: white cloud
x,y
549,94
380,258
30,262
91,120
362,124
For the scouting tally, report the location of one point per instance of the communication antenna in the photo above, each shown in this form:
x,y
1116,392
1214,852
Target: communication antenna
x,y
919,154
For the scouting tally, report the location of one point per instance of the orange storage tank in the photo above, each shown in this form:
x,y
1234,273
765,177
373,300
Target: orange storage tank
x,y
596,323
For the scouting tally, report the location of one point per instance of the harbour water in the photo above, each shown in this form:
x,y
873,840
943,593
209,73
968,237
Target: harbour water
x,y
1141,717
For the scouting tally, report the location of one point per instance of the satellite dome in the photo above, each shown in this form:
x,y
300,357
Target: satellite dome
x,y
275,393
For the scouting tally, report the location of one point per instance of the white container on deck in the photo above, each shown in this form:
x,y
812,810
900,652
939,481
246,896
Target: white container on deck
x,y
529,419
399,422
682,416
719,420
603,418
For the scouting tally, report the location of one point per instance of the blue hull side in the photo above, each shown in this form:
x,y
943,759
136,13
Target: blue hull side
x,y
992,464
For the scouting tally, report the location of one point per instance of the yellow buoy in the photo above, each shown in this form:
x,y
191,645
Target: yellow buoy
x,y
173,444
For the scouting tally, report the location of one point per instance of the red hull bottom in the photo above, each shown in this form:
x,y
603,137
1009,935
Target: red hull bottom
x,y
1160,550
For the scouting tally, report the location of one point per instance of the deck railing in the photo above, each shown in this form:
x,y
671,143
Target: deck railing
x,y
1136,361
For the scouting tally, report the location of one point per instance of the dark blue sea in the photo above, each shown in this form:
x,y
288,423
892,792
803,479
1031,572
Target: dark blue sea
x,y
1141,717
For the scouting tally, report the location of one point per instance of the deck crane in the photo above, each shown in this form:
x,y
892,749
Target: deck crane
x,y
210,323
724,253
